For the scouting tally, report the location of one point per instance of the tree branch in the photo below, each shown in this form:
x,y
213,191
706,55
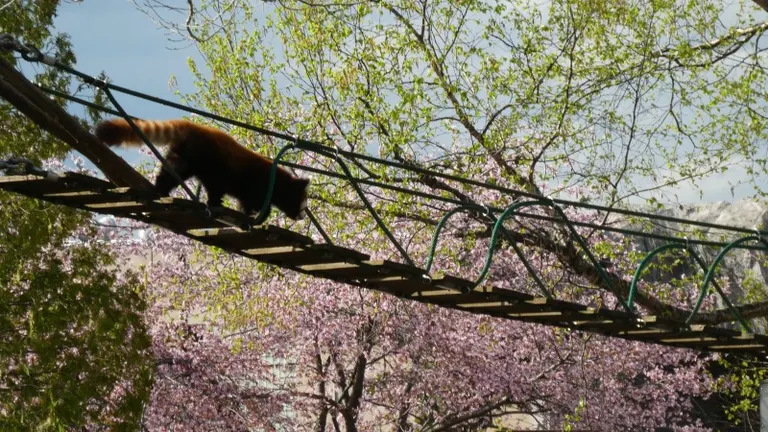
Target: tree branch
x,y
456,421
762,3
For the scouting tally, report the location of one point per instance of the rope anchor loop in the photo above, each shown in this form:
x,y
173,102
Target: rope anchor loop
x,y
28,52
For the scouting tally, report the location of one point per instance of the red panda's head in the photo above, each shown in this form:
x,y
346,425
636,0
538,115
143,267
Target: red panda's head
x,y
294,201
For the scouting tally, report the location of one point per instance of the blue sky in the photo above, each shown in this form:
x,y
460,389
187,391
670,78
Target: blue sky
x,y
113,36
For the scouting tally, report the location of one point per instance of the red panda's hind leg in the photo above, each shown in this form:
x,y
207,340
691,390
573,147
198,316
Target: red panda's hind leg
x,y
166,181
215,198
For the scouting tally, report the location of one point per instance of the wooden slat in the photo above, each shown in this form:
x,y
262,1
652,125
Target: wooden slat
x,y
231,218
697,335
182,222
292,256
125,208
704,341
81,198
413,283
454,287
258,237
437,295
36,186
743,347
364,270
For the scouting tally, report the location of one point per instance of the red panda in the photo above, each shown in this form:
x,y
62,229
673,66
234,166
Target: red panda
x,y
221,164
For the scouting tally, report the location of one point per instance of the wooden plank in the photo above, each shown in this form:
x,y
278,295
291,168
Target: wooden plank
x,y
35,186
534,311
416,282
521,307
586,322
705,342
404,285
232,218
258,237
84,180
446,286
455,284
366,270
436,295
292,256
696,337
576,318
743,347
182,222
82,198
124,208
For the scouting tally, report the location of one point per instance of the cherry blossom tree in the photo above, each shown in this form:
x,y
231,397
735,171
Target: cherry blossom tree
x,y
555,100
559,100
257,346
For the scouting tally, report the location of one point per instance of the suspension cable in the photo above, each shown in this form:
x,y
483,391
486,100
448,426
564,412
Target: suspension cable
x,y
369,182
33,54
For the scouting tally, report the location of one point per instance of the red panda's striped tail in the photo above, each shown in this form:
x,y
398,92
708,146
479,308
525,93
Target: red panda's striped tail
x,y
117,132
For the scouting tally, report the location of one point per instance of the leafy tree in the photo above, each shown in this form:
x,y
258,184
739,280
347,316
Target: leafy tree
x,y
600,101
563,103
74,347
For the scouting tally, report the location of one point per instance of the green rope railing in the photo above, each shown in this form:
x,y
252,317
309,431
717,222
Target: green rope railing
x,y
33,54
511,210
263,213
466,208
463,208
646,262
711,274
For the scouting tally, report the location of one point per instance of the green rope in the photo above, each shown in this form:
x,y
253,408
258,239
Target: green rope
x,y
261,217
430,258
511,210
711,274
623,231
443,220
647,260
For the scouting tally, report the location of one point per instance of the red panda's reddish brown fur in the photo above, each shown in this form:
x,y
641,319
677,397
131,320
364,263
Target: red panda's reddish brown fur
x,y
222,165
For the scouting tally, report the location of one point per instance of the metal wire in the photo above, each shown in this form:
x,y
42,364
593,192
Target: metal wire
x,y
624,231
647,260
32,54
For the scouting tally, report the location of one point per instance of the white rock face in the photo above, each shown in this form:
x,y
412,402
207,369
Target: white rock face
x,y
747,214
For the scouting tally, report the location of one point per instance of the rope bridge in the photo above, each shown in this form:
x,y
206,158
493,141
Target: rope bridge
x,y
127,194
